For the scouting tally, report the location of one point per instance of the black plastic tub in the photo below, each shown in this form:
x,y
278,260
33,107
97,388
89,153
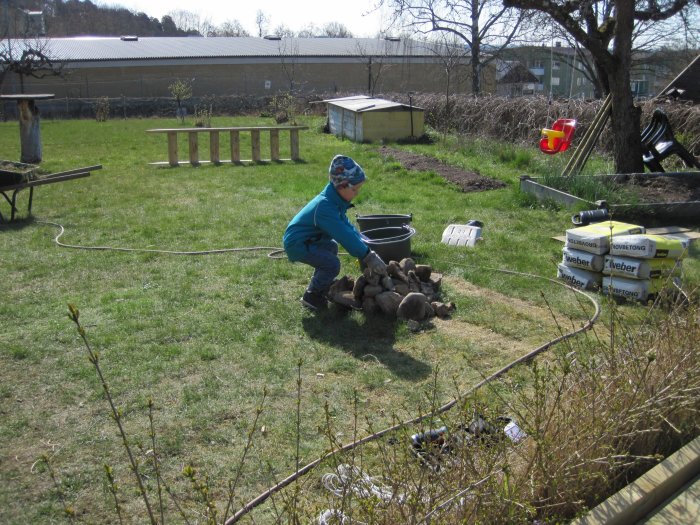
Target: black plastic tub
x,y
372,222
392,243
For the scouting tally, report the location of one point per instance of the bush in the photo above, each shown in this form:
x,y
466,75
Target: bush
x,y
520,120
102,109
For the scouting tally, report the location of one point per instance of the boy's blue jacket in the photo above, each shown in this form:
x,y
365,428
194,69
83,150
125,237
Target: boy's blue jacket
x,y
322,219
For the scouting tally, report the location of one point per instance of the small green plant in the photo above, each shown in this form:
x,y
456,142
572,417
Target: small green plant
x,y
284,108
94,358
181,90
203,116
102,109
68,509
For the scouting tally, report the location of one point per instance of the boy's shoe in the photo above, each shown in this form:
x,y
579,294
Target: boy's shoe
x,y
314,301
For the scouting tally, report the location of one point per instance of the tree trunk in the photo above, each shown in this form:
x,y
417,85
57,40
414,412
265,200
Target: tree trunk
x,y
625,126
625,115
476,49
29,131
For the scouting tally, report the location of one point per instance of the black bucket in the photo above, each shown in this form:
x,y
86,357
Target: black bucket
x,y
372,222
392,243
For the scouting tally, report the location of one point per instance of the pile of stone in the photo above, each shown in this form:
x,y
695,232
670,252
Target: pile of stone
x,y
409,292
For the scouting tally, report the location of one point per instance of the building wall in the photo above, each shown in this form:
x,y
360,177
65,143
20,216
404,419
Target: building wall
x,y
391,125
221,77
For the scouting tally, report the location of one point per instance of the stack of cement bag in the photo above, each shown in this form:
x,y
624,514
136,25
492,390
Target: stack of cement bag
x,y
620,258
638,267
585,251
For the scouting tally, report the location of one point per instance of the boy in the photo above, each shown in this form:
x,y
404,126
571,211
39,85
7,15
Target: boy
x,y
313,235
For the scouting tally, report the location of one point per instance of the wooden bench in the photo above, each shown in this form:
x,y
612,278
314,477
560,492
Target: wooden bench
x,y
10,191
234,142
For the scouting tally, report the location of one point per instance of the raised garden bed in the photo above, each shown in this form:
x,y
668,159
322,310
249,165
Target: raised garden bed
x,y
650,196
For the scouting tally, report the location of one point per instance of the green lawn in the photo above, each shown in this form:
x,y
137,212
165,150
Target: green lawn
x,y
204,335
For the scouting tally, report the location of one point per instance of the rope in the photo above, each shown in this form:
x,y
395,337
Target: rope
x,y
274,254
331,516
353,478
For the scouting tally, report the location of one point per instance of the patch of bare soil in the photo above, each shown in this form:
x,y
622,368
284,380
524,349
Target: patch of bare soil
x,y
468,181
523,307
665,189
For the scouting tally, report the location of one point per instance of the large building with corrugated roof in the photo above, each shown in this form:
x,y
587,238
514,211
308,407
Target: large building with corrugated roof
x,y
145,67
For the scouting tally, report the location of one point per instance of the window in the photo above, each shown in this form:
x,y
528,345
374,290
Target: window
x,y
555,64
555,81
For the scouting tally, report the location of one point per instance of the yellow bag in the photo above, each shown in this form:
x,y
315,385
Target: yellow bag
x,y
649,246
595,238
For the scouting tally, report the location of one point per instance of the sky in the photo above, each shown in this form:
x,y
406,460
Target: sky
x,y
359,16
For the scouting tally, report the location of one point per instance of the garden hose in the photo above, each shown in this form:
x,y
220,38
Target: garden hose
x,y
275,253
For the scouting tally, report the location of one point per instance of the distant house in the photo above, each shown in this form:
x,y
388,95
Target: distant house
x,y
133,66
517,81
686,86
560,70
366,119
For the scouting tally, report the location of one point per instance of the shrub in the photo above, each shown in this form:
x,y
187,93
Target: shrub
x,y
520,120
102,109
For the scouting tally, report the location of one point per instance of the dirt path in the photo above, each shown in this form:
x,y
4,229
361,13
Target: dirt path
x,y
468,181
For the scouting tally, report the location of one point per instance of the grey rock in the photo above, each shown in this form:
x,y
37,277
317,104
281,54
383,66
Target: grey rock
x,y
413,306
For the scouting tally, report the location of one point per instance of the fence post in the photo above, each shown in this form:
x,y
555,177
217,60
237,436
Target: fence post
x,y
194,148
235,146
274,144
172,149
294,143
214,147
255,143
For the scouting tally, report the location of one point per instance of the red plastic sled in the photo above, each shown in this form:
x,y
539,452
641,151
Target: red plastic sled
x,y
559,137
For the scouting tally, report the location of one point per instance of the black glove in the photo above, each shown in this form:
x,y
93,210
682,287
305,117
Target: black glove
x,y
375,263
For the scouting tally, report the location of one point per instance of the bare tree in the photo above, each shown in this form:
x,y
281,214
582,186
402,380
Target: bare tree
x,y
231,28
452,57
289,58
191,22
309,31
285,103
24,50
261,21
28,57
336,30
283,31
478,23
606,29
375,66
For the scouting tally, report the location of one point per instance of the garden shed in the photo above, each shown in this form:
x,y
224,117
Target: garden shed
x,y
367,119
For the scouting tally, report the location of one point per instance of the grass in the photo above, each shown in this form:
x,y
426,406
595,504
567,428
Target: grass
x,y
204,336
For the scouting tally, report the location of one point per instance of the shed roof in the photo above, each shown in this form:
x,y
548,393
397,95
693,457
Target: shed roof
x,y
362,103
148,48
